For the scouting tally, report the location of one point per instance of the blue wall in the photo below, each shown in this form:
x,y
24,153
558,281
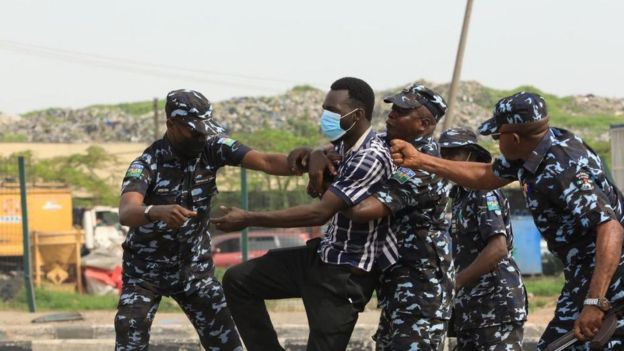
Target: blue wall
x,y
526,249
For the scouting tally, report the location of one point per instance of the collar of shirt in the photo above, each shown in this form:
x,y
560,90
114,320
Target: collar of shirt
x,y
538,154
365,136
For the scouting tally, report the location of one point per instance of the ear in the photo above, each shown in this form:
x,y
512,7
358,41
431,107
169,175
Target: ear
x,y
360,113
516,138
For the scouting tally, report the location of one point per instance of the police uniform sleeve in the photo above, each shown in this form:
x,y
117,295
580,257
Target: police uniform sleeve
x,y
222,150
407,188
490,212
504,169
364,173
584,198
138,176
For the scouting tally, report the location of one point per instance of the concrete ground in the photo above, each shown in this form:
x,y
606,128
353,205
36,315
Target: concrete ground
x,y
173,331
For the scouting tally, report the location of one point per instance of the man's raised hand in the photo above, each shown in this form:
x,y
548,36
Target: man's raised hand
x,y
233,219
322,168
298,160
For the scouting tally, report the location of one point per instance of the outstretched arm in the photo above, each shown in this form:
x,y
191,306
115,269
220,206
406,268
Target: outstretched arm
x,y
317,213
473,175
367,210
271,163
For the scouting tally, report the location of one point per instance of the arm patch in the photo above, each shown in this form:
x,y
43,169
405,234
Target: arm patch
x,y
402,175
135,170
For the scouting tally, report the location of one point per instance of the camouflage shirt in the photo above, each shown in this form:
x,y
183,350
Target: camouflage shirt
x,y
417,200
567,192
165,179
499,296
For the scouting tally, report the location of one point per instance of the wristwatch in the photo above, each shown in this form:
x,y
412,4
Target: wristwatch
x,y
146,213
601,302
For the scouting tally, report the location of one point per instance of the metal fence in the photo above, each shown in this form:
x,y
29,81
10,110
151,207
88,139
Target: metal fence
x,y
15,262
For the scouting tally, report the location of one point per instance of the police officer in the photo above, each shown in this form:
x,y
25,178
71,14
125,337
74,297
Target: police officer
x,y
166,195
490,303
575,206
416,293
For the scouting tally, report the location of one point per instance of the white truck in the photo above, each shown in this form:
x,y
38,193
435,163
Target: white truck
x,y
102,229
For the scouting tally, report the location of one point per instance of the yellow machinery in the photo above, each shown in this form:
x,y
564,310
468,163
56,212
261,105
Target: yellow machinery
x,y
55,243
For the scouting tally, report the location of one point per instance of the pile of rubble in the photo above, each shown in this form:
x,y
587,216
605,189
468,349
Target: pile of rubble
x,y
247,114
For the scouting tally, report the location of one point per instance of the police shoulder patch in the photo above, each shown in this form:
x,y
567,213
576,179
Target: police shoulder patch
x,y
492,203
583,181
226,141
403,174
135,170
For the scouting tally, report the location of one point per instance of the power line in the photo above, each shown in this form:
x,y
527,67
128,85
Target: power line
x,y
134,66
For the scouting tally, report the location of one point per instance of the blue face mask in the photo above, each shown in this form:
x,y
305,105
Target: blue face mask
x,y
330,125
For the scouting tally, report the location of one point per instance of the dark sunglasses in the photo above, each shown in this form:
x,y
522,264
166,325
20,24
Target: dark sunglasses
x,y
497,135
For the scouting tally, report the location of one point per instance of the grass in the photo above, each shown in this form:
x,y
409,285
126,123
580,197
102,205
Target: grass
x,y
13,138
544,285
48,299
543,291
52,300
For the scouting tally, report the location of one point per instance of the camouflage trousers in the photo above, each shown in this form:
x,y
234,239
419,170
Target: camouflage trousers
x,y
205,307
504,337
570,304
407,320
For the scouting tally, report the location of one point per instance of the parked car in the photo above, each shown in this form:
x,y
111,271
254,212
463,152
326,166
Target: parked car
x,y
226,248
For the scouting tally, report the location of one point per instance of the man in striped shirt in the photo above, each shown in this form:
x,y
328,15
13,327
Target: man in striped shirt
x,y
416,293
336,275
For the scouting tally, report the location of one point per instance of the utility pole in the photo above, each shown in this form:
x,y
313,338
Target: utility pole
x,y
156,122
458,66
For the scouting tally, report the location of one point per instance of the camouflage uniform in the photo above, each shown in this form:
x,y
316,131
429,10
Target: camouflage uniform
x,y
498,298
161,261
488,313
569,195
416,294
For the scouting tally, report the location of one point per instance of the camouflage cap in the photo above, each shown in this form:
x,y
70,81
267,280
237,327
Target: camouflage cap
x,y
193,109
417,95
519,108
463,138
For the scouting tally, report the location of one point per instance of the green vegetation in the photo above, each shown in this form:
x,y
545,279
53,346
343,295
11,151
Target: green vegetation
x,y
303,88
51,300
544,285
543,291
13,138
77,170
48,299
140,108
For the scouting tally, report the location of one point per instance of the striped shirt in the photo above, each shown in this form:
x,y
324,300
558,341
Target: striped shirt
x,y
363,170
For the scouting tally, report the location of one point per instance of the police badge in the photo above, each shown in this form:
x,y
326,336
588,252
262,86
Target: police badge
x,y
584,182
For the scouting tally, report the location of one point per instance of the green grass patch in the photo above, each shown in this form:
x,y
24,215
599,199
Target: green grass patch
x,y
544,286
540,302
52,300
13,138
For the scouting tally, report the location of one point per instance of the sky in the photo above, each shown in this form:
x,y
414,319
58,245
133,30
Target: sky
x,y
75,53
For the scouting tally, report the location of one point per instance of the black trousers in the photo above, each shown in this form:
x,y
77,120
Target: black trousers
x,y
333,296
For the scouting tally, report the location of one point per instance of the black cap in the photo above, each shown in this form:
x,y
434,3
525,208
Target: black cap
x,y
519,108
193,109
416,95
